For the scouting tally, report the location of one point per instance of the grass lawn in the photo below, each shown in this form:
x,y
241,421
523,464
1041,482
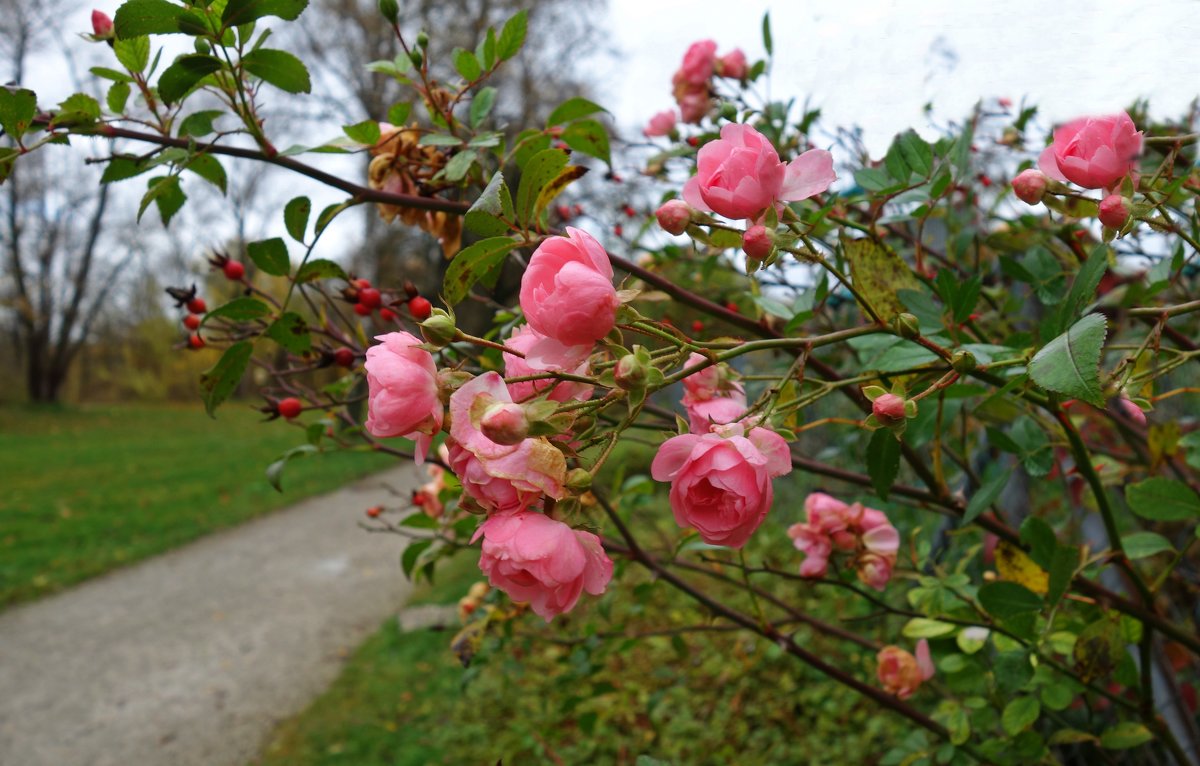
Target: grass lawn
x,y
89,489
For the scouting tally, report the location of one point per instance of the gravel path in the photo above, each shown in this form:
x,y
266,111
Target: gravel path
x,y
194,656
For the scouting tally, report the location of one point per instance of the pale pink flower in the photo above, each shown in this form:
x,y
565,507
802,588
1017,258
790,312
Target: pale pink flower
x,y
693,104
1093,152
698,63
674,216
661,124
567,292
544,562
402,390
732,65
900,672
710,397
740,175
523,339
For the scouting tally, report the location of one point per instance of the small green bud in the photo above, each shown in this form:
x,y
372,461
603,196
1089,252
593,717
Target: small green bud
x,y
963,361
439,329
422,40
416,57
907,326
631,373
201,45
449,381
390,10
579,480
728,111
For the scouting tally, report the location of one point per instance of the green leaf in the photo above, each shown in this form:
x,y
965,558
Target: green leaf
x,y
922,627
883,461
916,152
280,68
1083,289
184,74
413,551
878,273
1070,364
1020,714
589,137
512,36
1004,600
768,42
1063,563
120,168
366,132
133,53
239,310
1125,735
326,216
291,331
199,124
550,191
1162,499
112,74
78,109
219,382
165,193
118,96
484,217
540,170
481,106
459,165
295,217
209,168
573,109
398,114
1012,671
471,264
137,18
271,256
986,495
1140,545
17,108
467,64
320,268
239,12
275,470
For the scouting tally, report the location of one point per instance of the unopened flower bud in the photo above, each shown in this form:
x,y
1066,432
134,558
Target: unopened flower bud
x,y
102,25
907,326
962,361
439,329
888,409
390,9
416,57
674,216
1030,186
1114,211
1131,410
579,480
728,111
630,373
449,381
505,423
757,242
422,39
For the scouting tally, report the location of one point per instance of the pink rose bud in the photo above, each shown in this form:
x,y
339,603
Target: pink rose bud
x,y
674,216
102,25
1114,211
733,65
1131,411
505,423
630,373
698,63
403,398
567,292
898,671
1093,152
660,124
757,243
888,409
1030,186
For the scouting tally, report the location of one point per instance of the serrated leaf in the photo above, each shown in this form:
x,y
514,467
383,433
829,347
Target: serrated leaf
x,y
17,108
471,264
111,74
878,273
589,137
291,331
295,217
1070,364
540,170
550,191
916,152
986,495
120,168
467,64
1004,600
1020,714
184,74
512,36
495,202
199,124
219,382
280,68
271,256
1140,545
366,132
209,168
572,109
78,109
398,113
320,268
481,106
1125,735
326,216
118,96
239,310
1083,288
883,461
166,194
137,18
238,12
459,165
1014,565
1162,499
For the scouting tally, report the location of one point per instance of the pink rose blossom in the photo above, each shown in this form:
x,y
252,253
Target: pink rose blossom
x,y
733,65
721,485
1093,152
720,410
900,672
674,216
740,175
403,391
1030,186
710,398
698,63
693,104
494,494
536,559
504,423
574,361
661,124
832,525
567,292
1114,211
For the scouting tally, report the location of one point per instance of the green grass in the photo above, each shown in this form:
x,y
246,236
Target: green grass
x,y
89,489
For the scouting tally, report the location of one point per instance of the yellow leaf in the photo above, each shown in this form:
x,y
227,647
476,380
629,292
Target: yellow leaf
x,y
1014,565
878,273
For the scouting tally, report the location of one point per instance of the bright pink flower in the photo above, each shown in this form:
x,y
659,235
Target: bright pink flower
x,y
720,410
534,558
698,63
661,124
523,339
493,493
1030,186
757,243
1093,152
102,25
888,409
732,65
1114,211
740,175
710,398
674,216
402,391
833,525
721,485
567,292
901,673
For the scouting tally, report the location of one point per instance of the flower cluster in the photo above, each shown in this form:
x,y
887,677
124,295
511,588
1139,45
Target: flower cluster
x,y
692,85
863,532
710,397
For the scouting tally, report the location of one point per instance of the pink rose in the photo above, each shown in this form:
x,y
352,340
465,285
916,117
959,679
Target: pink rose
x,y
710,398
493,493
523,339
567,292
534,558
1093,152
733,65
661,124
403,391
722,485
740,175
900,672
718,411
833,525
693,104
757,243
698,63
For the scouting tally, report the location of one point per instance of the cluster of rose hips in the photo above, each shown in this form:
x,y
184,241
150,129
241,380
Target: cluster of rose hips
x,y
367,299
233,270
